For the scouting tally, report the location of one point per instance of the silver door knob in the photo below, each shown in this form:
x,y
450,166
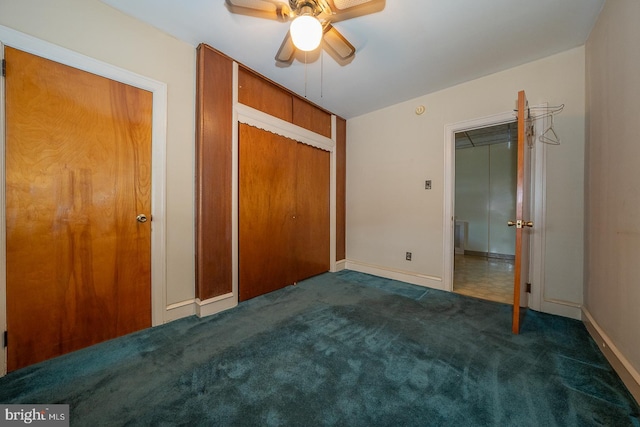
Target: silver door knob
x,y
141,218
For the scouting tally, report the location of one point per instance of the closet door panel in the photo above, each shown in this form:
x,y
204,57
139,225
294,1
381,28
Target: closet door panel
x,y
266,206
312,227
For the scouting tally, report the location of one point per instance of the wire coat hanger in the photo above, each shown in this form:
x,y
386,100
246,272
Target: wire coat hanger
x,y
549,136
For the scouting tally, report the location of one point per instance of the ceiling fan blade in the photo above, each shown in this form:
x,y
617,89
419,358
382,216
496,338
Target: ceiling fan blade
x,y
339,46
269,9
287,50
346,9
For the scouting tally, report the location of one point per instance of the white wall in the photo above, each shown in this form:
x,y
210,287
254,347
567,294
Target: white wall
x,y
98,31
612,290
390,153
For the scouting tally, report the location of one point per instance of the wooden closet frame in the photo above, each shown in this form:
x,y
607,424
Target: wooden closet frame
x,y
244,114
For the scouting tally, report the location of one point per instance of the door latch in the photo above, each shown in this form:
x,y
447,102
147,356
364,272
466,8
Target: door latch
x,y
520,223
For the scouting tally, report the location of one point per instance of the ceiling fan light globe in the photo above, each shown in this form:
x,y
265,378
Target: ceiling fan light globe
x,y
306,32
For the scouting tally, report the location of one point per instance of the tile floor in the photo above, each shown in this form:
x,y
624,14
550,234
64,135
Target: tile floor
x,y
486,278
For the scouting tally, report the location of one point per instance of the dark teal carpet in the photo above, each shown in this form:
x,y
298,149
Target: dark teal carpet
x,y
344,349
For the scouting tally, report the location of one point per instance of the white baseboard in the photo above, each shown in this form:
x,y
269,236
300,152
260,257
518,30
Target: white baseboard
x,y
179,310
339,266
565,309
403,276
215,305
627,372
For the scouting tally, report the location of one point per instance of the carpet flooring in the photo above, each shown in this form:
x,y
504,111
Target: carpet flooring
x,y
340,349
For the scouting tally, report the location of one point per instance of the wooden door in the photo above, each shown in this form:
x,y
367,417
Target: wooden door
x,y
522,223
78,173
311,239
283,188
266,199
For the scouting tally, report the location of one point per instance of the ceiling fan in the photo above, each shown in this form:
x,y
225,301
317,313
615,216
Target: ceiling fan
x,y
311,22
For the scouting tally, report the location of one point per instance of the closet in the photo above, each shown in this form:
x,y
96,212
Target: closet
x,y
282,206
284,211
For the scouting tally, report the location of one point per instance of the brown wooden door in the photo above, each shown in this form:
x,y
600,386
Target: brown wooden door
x,y
266,199
283,197
311,238
78,172
522,223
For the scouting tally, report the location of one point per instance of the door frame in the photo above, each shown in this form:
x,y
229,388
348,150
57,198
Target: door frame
x,y
26,43
537,192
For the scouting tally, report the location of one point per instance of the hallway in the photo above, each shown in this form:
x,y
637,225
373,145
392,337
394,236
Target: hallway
x,y
485,278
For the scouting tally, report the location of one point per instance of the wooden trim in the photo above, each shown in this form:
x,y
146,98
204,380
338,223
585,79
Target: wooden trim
x,y
341,188
214,112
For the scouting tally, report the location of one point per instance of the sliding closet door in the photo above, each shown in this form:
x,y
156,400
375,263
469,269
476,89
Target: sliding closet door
x,y
283,194
312,211
266,196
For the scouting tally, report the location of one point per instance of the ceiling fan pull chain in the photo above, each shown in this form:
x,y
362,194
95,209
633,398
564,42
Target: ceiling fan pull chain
x,y
321,68
305,74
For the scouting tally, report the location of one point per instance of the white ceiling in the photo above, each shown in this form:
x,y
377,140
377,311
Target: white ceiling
x,y
409,49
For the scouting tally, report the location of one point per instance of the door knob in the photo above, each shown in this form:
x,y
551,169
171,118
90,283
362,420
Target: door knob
x,y
141,218
520,223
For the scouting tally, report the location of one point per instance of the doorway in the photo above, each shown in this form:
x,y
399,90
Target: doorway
x,y
485,200
77,202
15,39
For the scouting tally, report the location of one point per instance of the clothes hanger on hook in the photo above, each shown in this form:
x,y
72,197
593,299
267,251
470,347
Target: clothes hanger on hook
x,y
549,136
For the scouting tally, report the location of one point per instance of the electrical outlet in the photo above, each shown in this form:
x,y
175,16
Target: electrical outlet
x,y
427,184
408,256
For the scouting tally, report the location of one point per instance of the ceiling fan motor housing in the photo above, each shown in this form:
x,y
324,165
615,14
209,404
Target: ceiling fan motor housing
x,y
309,7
